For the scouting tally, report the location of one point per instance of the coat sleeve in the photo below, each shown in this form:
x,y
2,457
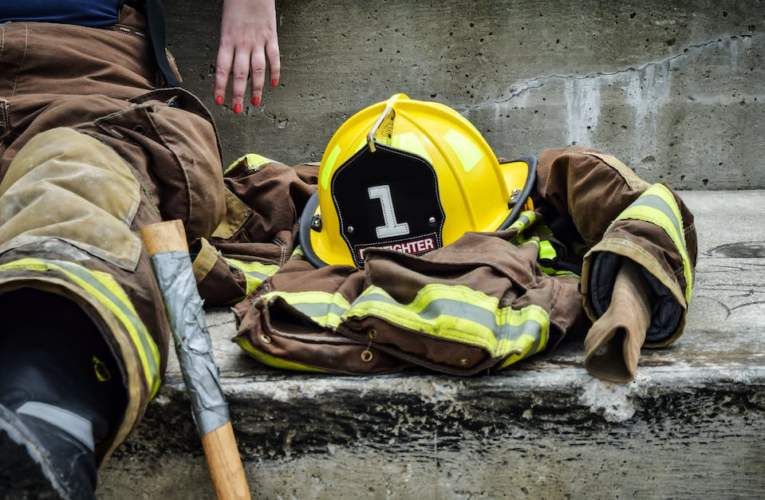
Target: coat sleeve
x,y
264,200
619,216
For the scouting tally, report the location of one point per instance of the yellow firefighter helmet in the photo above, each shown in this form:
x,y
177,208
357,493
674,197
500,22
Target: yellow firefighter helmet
x,y
410,176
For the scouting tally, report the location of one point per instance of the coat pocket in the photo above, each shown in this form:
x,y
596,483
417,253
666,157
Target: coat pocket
x,y
183,155
68,186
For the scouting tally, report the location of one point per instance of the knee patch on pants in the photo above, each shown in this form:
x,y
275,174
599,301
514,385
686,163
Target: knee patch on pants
x,y
67,185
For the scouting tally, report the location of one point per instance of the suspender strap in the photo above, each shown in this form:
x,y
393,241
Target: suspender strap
x,y
155,17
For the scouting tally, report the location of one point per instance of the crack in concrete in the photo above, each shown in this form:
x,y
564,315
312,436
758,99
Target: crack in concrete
x,y
539,82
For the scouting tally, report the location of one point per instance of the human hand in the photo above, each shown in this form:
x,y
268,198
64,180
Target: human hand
x,y
247,38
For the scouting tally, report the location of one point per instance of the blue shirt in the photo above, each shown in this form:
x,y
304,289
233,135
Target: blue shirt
x,y
81,12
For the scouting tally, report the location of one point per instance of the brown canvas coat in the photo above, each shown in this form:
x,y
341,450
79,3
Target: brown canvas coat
x,y
580,195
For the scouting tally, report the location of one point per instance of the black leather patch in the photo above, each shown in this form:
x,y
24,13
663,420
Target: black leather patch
x,y
389,199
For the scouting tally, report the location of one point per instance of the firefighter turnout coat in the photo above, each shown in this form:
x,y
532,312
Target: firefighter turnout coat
x,y
487,300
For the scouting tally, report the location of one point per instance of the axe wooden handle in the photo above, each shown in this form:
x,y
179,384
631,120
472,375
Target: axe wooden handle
x,y
225,464
220,446
165,237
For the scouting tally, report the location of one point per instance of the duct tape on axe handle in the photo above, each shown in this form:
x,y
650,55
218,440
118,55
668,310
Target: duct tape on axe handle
x,y
168,250
192,339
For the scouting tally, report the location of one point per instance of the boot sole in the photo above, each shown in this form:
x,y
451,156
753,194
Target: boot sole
x,y
25,470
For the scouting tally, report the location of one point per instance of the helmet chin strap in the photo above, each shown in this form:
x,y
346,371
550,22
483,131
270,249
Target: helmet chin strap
x,y
518,200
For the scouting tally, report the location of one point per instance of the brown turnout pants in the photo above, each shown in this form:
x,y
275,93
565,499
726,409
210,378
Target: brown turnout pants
x,y
91,151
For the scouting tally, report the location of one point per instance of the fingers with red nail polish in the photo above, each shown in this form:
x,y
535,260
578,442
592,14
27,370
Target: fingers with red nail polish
x,y
249,46
274,63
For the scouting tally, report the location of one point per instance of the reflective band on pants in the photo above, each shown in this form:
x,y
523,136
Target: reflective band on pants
x,y
108,292
269,360
324,309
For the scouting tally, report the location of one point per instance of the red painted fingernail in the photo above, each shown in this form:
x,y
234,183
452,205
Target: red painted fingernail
x,y
274,82
219,100
255,101
237,108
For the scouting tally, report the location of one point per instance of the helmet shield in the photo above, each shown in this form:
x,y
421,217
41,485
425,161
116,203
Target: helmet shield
x,y
388,199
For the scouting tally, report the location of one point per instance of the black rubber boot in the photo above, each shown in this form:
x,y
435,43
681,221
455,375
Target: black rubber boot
x,y
54,405
40,460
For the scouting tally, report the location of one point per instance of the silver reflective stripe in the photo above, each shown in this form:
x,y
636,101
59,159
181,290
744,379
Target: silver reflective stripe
x,y
314,310
140,328
71,423
469,312
657,203
256,275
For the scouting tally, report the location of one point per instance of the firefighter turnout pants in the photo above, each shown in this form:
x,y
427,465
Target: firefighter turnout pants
x,y
91,151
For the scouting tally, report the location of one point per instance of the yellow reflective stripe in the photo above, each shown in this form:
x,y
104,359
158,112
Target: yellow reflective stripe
x,y
275,362
467,152
326,169
657,206
564,273
297,251
411,143
451,312
324,309
25,264
546,250
255,273
123,309
523,353
107,291
458,313
254,162
524,221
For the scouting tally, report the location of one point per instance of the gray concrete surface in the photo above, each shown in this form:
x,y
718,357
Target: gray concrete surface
x,y
691,426
675,89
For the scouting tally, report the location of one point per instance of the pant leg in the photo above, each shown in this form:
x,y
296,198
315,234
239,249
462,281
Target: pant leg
x,y
87,158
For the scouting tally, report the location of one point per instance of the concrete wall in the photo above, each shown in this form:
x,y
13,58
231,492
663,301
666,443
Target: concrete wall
x,y
675,89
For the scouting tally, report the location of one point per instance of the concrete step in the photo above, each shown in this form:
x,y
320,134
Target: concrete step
x,y
692,425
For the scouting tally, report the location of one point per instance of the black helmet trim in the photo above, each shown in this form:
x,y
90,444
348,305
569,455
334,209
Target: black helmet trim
x,y
531,179
304,232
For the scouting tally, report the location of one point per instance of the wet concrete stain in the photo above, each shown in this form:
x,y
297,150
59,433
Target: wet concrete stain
x,y
745,250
